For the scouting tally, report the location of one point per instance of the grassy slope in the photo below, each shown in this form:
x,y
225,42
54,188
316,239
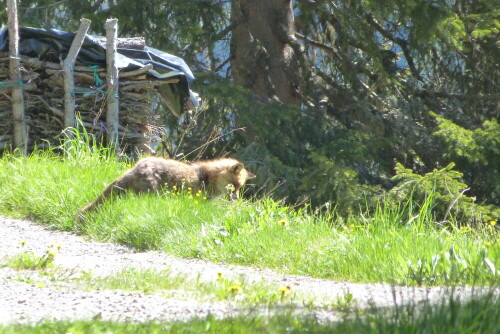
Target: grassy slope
x,y
384,247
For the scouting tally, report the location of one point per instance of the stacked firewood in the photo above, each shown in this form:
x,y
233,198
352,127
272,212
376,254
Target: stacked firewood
x,y
43,86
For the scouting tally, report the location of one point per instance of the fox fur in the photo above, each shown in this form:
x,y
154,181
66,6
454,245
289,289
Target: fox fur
x,y
154,173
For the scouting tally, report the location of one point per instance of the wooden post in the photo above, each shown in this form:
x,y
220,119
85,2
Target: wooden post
x,y
68,66
112,83
20,137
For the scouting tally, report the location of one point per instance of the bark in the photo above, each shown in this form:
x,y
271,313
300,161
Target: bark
x,y
112,83
264,55
136,43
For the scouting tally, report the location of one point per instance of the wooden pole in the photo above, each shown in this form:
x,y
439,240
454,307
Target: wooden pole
x,y
19,121
112,83
68,66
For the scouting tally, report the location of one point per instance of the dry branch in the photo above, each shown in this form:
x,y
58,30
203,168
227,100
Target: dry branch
x,y
136,72
136,43
68,65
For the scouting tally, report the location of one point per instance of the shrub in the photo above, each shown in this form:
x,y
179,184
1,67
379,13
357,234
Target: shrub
x,y
440,195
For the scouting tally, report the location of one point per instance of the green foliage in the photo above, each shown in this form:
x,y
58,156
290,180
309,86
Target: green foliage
x,y
439,195
449,267
477,153
455,29
481,25
425,16
30,261
330,180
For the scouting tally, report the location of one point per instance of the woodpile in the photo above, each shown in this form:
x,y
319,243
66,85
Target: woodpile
x,y
44,102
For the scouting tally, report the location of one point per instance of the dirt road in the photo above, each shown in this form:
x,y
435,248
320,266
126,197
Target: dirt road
x,y
26,296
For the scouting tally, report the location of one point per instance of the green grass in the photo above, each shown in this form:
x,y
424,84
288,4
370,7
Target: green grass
x,y
29,261
219,288
387,246
479,315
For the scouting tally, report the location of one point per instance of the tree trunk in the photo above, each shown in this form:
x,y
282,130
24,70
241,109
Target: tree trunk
x,y
263,49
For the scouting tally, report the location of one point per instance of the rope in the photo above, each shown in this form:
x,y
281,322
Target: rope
x,y
5,84
98,82
97,79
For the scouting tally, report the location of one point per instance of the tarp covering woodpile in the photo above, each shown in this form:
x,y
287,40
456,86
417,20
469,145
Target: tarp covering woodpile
x,y
146,76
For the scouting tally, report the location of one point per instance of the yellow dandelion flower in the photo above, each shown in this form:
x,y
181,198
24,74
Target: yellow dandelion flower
x,y
235,287
174,187
487,244
283,222
23,243
51,252
447,238
195,202
284,290
189,188
493,223
204,197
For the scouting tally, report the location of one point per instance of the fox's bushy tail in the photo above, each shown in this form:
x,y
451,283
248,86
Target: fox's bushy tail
x,y
118,186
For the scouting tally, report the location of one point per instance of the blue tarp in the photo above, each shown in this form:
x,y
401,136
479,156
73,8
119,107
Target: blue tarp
x,y
53,45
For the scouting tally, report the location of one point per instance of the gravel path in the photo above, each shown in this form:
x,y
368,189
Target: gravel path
x,y
26,302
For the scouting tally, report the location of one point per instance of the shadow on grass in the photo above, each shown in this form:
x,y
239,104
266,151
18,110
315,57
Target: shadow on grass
x,y
477,315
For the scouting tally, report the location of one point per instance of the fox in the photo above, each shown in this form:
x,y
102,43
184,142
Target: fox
x,y
216,177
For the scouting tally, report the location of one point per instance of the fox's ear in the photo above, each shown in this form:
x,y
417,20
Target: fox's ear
x,y
251,175
237,168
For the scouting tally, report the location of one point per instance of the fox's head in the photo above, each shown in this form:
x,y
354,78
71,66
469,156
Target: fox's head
x,y
240,177
231,179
